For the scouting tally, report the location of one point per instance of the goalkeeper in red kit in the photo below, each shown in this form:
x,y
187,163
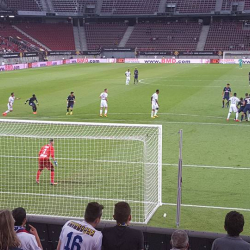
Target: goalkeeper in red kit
x,y
45,153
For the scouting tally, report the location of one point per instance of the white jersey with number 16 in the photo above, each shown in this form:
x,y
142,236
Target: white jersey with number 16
x,y
81,236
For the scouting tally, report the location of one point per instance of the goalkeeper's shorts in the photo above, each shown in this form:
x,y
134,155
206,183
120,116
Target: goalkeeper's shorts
x,y
45,163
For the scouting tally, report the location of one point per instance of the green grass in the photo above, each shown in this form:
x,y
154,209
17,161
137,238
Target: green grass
x,y
190,99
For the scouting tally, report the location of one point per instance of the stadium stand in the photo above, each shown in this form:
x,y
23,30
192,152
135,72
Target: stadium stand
x,y
130,6
104,35
56,36
165,36
28,5
65,5
247,5
71,5
227,35
6,31
193,6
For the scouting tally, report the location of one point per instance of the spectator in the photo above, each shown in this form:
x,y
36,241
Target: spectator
x,y
29,240
234,223
8,238
179,240
121,236
82,235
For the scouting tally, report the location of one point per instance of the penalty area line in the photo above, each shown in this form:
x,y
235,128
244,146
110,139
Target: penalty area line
x,y
209,207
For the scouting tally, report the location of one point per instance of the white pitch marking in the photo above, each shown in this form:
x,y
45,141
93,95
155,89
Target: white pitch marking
x,y
210,207
126,162
205,166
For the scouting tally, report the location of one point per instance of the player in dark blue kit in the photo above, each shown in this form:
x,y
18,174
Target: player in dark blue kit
x,y
32,103
70,103
247,106
136,74
241,106
226,94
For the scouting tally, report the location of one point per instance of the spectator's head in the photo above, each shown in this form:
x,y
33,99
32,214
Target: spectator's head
x,y
122,213
179,240
93,213
19,215
8,236
234,223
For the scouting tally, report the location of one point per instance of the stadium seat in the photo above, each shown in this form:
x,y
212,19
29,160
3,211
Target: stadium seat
x,y
28,5
104,35
56,36
130,6
227,35
165,36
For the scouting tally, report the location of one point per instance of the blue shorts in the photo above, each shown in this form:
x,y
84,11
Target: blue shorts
x,y
247,108
226,97
241,109
70,105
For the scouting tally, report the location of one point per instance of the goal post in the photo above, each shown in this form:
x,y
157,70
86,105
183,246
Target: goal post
x,y
101,162
232,56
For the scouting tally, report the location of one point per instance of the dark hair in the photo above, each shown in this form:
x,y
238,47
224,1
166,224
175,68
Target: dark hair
x,y
19,215
235,94
12,93
51,140
246,94
234,223
241,98
33,95
71,92
93,211
228,84
122,212
157,90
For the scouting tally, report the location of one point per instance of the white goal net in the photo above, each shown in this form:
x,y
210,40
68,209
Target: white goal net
x,y
106,163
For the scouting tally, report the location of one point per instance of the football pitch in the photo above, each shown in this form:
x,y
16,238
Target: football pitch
x,y
216,170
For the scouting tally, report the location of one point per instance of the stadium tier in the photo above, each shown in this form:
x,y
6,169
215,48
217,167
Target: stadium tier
x,y
28,5
71,5
6,31
58,36
193,6
247,5
227,35
165,36
104,35
130,6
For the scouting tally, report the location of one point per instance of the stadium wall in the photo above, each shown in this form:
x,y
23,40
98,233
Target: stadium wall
x,y
10,67
154,238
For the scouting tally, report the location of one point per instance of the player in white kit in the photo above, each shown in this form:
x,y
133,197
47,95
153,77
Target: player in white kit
x,y
127,74
82,235
233,107
155,104
12,98
104,102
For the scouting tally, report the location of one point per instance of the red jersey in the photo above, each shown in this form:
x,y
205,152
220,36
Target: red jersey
x,y
46,151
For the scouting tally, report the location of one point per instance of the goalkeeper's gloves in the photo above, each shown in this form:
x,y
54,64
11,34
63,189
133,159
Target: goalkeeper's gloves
x,y
55,163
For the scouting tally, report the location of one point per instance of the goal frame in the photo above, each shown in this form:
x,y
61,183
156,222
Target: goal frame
x,y
235,53
61,219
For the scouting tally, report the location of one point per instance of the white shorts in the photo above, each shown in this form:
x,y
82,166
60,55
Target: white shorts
x,y
9,107
104,104
233,108
128,78
154,106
